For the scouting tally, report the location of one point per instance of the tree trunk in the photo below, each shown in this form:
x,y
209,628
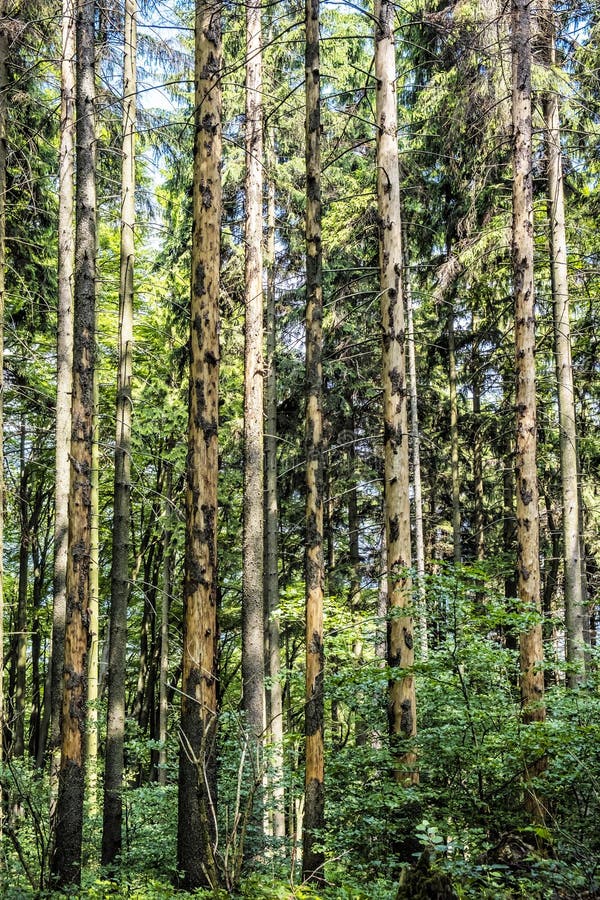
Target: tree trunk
x,y
478,488
416,457
167,588
64,378
3,116
253,655
115,720
575,611
454,447
20,657
272,523
313,859
401,700
527,511
66,861
91,734
197,767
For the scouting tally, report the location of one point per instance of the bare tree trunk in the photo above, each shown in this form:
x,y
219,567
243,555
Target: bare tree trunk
x,y
478,488
3,116
401,700
66,861
91,735
527,511
115,721
575,609
167,588
454,445
313,859
272,524
253,658
20,657
197,766
64,378
416,456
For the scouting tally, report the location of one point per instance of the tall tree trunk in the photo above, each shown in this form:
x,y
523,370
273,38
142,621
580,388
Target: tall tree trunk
x,y
198,764
167,588
64,378
416,455
527,511
454,442
91,734
401,700
272,522
20,658
115,720
253,656
575,611
478,488
66,861
3,116
313,859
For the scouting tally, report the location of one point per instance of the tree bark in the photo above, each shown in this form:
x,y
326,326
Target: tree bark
x,y
197,767
253,656
64,378
575,610
416,457
454,439
313,859
401,700
271,573
20,657
3,116
115,721
527,502
91,734
66,861
167,588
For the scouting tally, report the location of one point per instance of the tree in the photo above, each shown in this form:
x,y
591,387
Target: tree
x,y
197,760
64,373
527,512
313,859
115,731
575,613
68,825
253,655
401,700
3,117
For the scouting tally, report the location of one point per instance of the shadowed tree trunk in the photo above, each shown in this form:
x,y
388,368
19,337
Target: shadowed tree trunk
x,y
91,734
115,722
527,511
313,859
66,860
20,643
454,446
400,647
197,760
253,654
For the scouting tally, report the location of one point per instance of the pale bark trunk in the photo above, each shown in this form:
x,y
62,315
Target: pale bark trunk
x,y
527,502
271,525
416,457
575,610
313,859
478,487
401,700
454,440
66,862
253,659
197,769
115,722
20,658
64,377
